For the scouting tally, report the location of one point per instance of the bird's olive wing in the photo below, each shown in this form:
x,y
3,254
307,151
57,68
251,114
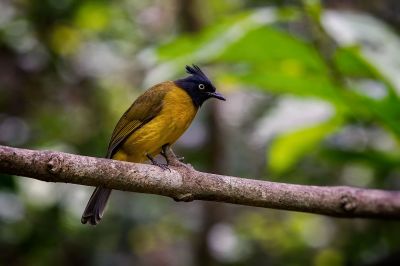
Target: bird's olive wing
x,y
143,110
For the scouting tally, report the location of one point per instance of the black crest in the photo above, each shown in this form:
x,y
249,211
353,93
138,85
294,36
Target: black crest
x,y
197,74
196,71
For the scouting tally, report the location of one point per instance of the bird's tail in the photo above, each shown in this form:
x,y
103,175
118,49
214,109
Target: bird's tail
x,y
96,205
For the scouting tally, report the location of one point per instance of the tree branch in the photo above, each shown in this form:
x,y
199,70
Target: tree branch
x,y
187,184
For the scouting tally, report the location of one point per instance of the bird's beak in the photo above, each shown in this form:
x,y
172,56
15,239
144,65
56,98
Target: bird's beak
x,y
216,95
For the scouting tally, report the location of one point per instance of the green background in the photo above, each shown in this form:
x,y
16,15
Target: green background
x,y
312,98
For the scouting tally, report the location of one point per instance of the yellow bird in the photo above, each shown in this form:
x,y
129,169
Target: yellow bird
x,y
153,123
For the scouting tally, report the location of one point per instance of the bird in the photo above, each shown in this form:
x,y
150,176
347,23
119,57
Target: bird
x,y
154,122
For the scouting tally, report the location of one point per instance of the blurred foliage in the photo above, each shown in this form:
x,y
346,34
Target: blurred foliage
x,y
288,148
312,98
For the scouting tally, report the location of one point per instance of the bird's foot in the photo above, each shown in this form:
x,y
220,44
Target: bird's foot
x,y
171,158
154,162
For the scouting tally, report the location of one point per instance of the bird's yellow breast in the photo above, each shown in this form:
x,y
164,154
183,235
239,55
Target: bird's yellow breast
x,y
174,118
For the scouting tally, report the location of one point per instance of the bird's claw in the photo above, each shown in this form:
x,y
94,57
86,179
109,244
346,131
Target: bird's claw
x,y
163,166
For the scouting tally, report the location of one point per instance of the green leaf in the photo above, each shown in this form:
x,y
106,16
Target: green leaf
x,y
278,62
350,62
212,41
287,149
290,80
208,45
268,46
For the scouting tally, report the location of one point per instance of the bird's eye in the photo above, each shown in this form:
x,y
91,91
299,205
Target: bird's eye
x,y
201,86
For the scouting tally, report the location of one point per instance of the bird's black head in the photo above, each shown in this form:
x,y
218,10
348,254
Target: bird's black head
x,y
198,86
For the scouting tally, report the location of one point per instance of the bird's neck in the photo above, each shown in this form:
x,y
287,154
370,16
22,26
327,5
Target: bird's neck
x,y
185,85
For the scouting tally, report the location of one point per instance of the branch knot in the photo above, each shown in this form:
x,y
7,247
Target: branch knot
x,y
348,203
54,164
187,197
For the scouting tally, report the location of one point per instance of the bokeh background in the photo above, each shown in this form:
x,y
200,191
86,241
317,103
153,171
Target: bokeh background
x,y
313,98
